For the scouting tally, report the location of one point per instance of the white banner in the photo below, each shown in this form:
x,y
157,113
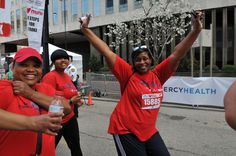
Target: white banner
x,y
35,14
5,20
208,91
204,39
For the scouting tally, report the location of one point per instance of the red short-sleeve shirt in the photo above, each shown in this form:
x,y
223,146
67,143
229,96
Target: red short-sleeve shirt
x,y
138,108
22,143
60,81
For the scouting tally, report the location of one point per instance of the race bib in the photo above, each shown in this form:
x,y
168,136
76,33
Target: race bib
x,y
151,101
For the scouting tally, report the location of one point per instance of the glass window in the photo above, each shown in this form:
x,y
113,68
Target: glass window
x,y
96,7
109,7
12,22
55,12
138,4
74,10
123,5
18,20
85,7
64,10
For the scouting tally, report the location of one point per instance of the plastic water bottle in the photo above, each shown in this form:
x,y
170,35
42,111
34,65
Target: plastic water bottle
x,y
56,104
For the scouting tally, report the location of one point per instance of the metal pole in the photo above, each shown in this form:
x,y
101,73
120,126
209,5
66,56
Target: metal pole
x,y
201,51
191,56
211,52
46,68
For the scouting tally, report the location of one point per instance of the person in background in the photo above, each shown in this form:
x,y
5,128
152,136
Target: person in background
x,y
72,72
26,97
230,106
133,121
9,74
61,81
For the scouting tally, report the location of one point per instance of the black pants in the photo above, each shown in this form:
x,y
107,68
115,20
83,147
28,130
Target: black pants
x,y
130,145
70,132
76,110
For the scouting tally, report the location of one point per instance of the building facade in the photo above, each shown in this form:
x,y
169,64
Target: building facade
x,y
64,29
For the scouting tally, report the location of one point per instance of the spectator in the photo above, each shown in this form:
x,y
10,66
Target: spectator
x,y
61,81
72,72
25,96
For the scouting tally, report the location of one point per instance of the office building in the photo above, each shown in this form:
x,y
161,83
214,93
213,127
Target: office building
x,y
64,28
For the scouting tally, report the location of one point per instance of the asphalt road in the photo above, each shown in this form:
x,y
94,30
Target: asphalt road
x,y
186,131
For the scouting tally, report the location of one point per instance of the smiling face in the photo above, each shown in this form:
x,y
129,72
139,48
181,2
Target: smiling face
x,y
28,71
61,64
142,62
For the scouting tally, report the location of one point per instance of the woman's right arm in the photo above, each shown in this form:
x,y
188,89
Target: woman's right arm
x,y
44,123
98,44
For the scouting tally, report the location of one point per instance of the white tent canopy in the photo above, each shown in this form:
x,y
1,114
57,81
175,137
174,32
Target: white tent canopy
x,y
77,59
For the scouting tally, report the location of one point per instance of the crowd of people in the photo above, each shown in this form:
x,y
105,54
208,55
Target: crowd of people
x,y
27,128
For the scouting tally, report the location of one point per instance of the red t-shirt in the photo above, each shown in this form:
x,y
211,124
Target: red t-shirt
x,y
142,95
60,81
23,143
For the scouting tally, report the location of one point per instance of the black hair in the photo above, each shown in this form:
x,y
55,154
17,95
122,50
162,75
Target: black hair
x,y
137,50
58,54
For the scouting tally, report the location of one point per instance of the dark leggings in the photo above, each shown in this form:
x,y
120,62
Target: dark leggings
x,y
70,132
130,145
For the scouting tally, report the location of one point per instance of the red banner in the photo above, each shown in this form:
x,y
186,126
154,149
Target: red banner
x,y
5,29
2,4
5,20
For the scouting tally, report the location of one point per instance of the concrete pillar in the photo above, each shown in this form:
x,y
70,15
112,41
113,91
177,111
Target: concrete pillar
x,y
225,37
79,8
102,8
90,4
68,11
130,5
60,15
116,6
51,14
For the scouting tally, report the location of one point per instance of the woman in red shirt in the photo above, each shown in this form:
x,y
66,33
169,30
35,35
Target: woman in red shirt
x,y
26,97
133,122
61,81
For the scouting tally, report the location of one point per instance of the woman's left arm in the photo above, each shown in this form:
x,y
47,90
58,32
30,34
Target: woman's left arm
x,y
21,88
182,48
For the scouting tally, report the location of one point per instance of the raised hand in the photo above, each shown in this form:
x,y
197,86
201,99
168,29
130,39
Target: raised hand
x,y
84,21
197,20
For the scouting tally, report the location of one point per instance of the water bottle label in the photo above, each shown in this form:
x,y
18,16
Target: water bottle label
x,y
55,108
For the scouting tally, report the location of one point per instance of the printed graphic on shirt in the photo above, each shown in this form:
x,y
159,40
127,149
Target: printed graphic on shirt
x,y
151,101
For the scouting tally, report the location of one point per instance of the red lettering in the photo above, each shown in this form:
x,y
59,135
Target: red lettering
x,y
36,12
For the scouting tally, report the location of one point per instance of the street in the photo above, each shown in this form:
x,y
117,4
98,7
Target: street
x,y
187,131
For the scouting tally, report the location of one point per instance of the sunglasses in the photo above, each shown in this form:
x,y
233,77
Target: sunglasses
x,y
143,47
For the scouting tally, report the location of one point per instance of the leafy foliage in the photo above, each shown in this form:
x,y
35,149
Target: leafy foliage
x,y
229,68
94,64
159,23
